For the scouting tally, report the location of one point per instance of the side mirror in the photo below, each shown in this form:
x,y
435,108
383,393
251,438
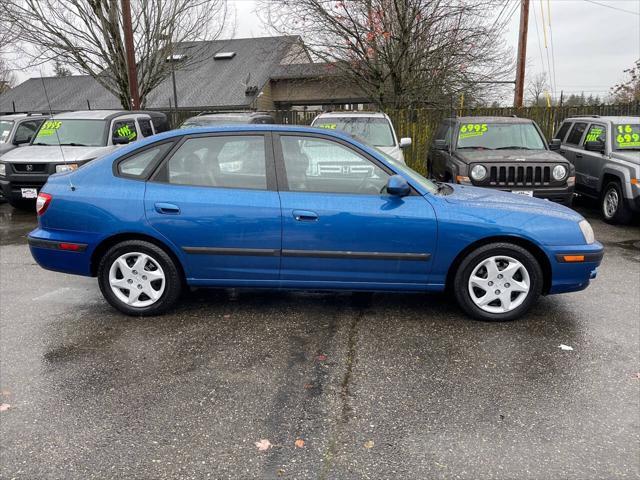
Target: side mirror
x,y
596,146
21,141
398,186
555,144
120,140
405,142
440,145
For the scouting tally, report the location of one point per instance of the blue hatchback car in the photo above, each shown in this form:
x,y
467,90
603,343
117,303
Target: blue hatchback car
x,y
300,208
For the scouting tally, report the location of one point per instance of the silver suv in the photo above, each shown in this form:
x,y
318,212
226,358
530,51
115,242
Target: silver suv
x,y
67,141
17,129
606,154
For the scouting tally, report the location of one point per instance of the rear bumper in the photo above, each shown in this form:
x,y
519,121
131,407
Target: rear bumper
x,y
50,251
572,268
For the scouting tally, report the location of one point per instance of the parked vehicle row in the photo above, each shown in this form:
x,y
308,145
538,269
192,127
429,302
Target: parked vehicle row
x,y
593,156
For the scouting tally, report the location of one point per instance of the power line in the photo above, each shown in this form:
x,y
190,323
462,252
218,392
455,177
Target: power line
x,y
612,7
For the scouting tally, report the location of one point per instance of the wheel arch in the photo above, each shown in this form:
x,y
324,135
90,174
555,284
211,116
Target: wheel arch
x,y
109,242
530,246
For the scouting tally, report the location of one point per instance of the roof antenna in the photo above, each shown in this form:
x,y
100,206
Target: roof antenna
x,y
44,88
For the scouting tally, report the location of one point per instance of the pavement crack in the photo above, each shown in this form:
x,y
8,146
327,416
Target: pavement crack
x,y
345,394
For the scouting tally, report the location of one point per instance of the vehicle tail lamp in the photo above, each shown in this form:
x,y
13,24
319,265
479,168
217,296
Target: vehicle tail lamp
x,y
42,202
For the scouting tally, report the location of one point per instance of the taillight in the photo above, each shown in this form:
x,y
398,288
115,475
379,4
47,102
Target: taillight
x,y
42,203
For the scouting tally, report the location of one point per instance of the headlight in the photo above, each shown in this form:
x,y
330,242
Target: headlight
x,y
3,169
559,172
587,231
478,172
67,167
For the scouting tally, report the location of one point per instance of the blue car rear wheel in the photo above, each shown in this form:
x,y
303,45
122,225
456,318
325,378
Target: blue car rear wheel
x,y
139,278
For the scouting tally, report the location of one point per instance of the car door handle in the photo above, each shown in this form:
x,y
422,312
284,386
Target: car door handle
x,y
305,215
167,208
578,155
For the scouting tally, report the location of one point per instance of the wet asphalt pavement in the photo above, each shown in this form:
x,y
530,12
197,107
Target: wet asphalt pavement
x,y
382,386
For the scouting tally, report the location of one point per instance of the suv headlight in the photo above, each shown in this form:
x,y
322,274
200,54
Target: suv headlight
x,y
559,172
478,172
67,167
587,231
3,169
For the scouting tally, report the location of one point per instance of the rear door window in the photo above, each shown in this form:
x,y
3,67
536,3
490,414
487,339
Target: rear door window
x,y
576,133
139,165
124,128
236,161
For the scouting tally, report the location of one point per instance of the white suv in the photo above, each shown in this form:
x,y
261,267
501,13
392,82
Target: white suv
x,y
373,128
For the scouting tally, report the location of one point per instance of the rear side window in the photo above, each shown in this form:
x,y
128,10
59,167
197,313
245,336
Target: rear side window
x,y
563,131
236,161
124,128
576,133
145,127
139,165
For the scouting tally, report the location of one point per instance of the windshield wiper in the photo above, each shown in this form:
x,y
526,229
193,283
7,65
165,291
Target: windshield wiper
x,y
513,147
40,143
73,144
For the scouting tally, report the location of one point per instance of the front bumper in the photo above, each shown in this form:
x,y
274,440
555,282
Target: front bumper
x,y
573,267
12,186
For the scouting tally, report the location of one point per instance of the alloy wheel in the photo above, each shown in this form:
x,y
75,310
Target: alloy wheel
x,y
610,204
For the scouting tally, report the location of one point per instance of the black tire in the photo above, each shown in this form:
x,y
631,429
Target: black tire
x,y
471,261
620,215
24,205
173,278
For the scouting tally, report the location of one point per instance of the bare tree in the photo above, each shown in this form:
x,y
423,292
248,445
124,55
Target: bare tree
x,y
537,87
8,36
402,52
87,35
628,90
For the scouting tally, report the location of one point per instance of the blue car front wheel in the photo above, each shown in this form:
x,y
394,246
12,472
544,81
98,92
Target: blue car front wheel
x,y
498,282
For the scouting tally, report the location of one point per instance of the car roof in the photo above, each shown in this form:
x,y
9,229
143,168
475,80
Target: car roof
x,y
609,119
19,116
232,114
349,113
94,114
490,120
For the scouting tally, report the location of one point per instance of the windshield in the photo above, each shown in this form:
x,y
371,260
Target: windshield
x,y
627,136
5,130
428,184
206,122
497,136
77,133
375,131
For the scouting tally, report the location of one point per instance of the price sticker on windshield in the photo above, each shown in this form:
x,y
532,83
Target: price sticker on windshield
x,y
330,126
49,128
627,136
473,130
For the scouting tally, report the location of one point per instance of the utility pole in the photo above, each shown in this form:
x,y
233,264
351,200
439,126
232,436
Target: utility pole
x,y
131,56
522,52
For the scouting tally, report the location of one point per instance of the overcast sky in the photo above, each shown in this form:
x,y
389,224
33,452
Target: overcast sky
x,y
593,40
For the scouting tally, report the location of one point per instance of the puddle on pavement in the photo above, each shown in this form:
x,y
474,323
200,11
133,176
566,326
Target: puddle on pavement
x,y
15,225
